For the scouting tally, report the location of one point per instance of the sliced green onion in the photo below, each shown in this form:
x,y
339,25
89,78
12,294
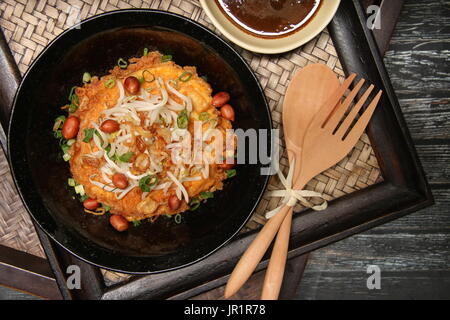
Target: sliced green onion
x,y
79,189
126,156
71,93
74,103
59,122
213,123
86,77
206,195
182,120
65,148
66,157
88,134
147,79
166,58
70,142
110,83
194,204
204,116
100,137
83,198
185,76
60,118
71,182
107,150
106,207
58,134
148,182
74,100
230,173
122,63
177,218
73,108
136,223
145,52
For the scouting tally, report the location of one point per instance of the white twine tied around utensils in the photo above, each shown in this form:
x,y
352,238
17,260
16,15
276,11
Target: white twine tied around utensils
x,y
292,196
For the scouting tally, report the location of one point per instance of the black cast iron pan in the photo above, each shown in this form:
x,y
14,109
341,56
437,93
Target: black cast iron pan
x,y
41,175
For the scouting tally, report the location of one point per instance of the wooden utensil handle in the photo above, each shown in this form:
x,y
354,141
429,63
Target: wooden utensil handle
x,y
275,270
253,255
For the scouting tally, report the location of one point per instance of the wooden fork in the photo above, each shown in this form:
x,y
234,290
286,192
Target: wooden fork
x,y
325,144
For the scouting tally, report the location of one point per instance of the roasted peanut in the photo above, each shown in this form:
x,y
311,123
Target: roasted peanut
x,y
132,85
91,204
118,222
70,127
120,181
110,126
220,99
173,202
227,112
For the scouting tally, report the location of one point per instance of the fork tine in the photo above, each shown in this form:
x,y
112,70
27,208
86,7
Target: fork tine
x,y
351,116
339,112
327,108
356,132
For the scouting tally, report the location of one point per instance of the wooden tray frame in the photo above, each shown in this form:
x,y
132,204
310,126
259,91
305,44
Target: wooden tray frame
x,y
404,189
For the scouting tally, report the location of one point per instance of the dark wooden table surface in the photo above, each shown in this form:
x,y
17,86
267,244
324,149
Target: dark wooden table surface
x,y
413,253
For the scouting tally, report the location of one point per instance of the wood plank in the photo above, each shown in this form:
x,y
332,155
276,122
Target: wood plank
x,y
394,285
427,118
435,159
412,252
28,273
432,219
400,251
419,68
424,20
13,294
418,59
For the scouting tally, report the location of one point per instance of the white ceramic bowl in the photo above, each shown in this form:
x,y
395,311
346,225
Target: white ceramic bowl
x,y
271,46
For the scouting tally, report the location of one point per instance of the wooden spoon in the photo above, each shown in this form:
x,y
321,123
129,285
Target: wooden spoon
x,y
307,91
328,139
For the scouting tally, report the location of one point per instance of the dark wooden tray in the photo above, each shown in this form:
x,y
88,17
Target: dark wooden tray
x,y
404,189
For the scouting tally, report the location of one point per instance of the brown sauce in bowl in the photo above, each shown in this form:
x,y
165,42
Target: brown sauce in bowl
x,y
269,18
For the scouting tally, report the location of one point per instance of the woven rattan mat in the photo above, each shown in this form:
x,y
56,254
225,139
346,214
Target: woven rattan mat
x,y
29,25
